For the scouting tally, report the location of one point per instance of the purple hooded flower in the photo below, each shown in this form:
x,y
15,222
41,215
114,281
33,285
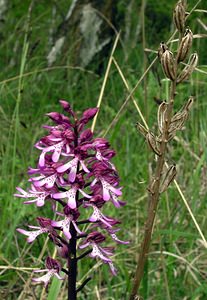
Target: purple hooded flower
x,y
94,239
60,119
40,194
53,268
72,165
45,227
109,191
48,176
71,194
112,232
97,215
57,142
71,215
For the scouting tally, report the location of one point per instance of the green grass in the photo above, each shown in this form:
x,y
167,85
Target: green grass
x,y
176,267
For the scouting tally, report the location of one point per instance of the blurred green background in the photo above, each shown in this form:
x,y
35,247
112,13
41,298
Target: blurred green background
x,y
53,50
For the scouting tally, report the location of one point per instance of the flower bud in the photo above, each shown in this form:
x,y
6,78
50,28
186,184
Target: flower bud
x,y
185,45
179,16
189,68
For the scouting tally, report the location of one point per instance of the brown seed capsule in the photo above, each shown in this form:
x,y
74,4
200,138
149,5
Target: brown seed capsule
x,y
161,116
168,64
179,16
189,68
153,143
179,119
168,178
185,45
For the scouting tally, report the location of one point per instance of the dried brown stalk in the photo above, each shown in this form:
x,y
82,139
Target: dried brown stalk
x,y
168,124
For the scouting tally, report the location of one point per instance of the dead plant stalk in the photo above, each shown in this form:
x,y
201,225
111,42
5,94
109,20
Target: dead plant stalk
x,y
168,124
153,198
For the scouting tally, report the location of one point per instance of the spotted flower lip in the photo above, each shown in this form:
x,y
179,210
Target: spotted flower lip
x,y
109,191
72,166
99,216
42,180
56,149
45,227
93,240
38,194
71,196
71,216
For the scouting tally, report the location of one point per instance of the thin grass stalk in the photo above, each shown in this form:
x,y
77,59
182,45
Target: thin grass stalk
x,y
144,2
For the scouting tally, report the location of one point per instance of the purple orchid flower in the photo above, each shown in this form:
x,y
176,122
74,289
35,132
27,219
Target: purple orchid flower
x,y
71,195
75,172
94,239
45,227
112,232
57,142
88,115
53,268
99,216
71,215
72,166
109,191
39,194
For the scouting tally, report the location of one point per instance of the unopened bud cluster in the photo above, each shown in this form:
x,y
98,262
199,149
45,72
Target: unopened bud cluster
x,y
168,60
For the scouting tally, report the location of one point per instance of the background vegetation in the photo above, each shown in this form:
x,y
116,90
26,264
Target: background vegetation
x,y
29,88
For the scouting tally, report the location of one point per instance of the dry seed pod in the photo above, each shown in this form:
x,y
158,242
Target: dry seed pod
x,y
184,111
189,68
177,125
142,129
179,118
168,178
161,116
189,104
153,143
179,16
168,64
185,45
